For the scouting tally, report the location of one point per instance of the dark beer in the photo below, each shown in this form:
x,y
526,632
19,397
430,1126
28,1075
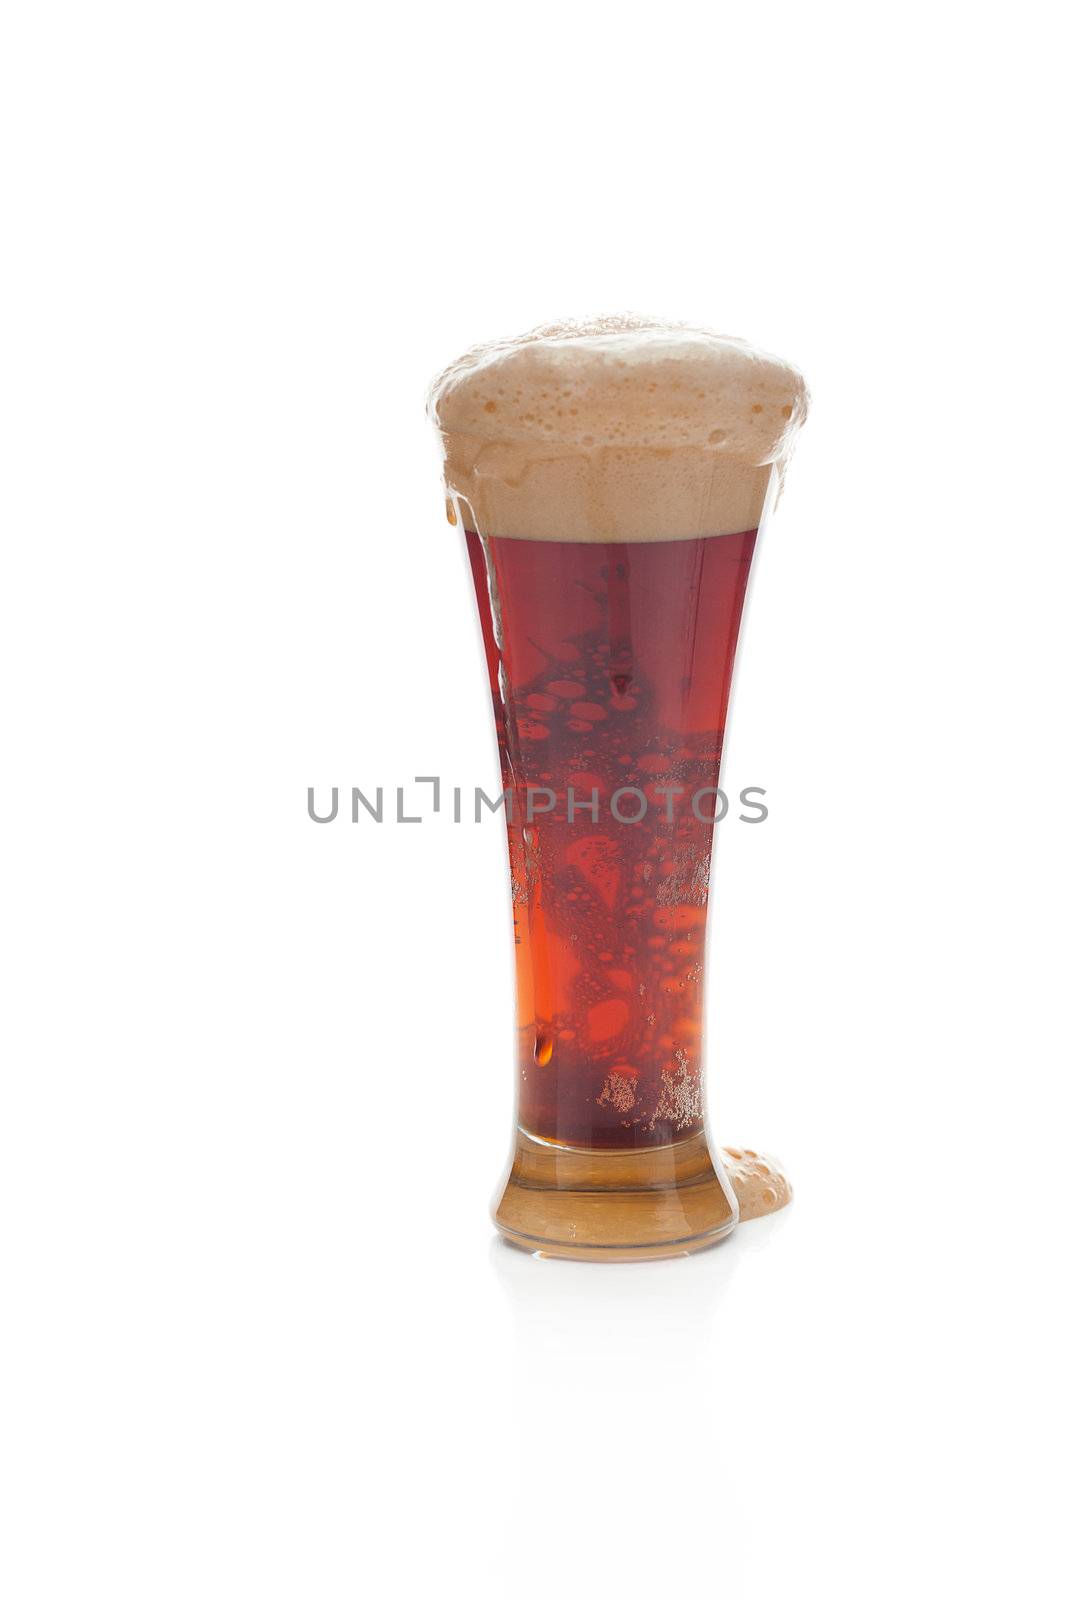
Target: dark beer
x,y
610,668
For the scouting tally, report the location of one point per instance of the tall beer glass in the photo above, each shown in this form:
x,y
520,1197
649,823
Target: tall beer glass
x,y
611,479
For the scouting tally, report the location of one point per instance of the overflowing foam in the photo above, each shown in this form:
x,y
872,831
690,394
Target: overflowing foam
x,y
616,429
759,1184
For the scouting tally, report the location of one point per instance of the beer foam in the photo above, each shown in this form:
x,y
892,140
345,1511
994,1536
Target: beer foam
x,y
619,428
758,1182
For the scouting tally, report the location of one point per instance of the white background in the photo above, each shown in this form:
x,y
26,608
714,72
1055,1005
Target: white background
x,y
258,1337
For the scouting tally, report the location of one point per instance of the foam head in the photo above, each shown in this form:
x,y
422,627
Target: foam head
x,y
616,429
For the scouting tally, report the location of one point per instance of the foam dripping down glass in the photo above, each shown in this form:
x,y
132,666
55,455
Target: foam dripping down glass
x,y
611,479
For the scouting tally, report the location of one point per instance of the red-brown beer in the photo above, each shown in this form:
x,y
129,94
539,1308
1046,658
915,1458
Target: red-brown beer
x,y
610,667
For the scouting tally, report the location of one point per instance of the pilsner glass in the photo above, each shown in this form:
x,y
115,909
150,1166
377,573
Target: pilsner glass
x,y
610,479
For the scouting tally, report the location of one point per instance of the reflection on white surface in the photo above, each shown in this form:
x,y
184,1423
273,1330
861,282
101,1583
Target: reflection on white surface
x,y
620,1400
642,1327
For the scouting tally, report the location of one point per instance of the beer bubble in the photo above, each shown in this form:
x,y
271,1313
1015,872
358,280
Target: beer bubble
x,y
607,1019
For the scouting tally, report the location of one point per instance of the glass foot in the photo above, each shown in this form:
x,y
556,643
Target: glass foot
x,y
614,1205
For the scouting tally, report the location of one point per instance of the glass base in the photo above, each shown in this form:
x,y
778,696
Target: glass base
x,y
614,1205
